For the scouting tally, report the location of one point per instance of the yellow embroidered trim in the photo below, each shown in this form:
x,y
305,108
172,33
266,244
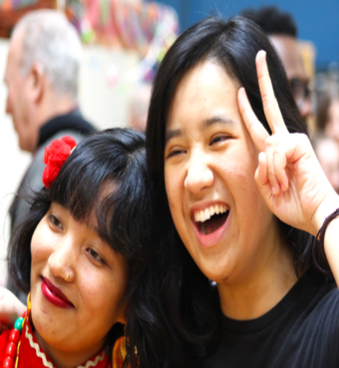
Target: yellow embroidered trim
x,y
92,363
36,347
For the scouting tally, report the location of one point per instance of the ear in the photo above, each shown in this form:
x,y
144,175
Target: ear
x,y
124,311
37,82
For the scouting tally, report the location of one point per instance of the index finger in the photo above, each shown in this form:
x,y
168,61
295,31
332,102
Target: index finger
x,y
270,104
256,130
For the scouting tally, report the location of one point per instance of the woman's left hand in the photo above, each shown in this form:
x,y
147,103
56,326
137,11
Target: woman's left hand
x,y
289,175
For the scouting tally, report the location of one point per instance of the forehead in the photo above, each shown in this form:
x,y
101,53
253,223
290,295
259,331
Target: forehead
x,y
14,51
288,51
203,92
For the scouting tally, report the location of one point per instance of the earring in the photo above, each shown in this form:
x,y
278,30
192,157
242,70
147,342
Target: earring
x,y
119,352
29,304
67,276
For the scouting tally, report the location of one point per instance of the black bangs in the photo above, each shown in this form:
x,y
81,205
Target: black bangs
x,y
106,175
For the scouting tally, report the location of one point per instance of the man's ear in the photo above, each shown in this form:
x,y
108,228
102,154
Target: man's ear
x,y
37,82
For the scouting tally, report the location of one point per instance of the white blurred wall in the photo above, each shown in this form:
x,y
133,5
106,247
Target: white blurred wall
x,y
103,103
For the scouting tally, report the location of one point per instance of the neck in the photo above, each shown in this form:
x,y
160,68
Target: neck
x,y
261,288
68,359
53,107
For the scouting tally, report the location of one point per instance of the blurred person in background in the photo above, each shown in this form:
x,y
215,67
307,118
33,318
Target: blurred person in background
x,y
138,107
282,32
327,151
328,114
42,80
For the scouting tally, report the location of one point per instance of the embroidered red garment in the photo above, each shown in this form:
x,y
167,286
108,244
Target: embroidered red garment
x,y
31,354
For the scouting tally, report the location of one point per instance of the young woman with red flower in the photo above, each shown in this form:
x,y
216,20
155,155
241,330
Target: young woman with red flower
x,y
81,258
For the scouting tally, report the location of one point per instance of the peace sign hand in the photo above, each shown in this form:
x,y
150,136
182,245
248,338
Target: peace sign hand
x,y
289,175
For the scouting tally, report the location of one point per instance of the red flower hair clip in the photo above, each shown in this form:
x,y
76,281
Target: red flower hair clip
x,y
55,156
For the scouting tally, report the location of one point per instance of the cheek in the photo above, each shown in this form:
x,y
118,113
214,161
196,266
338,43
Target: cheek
x,y
104,287
171,187
103,297
40,246
241,182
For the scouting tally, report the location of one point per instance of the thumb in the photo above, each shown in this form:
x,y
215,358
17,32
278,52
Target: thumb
x,y
261,177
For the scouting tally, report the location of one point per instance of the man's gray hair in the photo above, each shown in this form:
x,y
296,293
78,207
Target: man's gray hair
x,y
51,41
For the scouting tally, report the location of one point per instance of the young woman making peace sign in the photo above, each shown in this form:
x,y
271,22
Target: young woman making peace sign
x,y
242,196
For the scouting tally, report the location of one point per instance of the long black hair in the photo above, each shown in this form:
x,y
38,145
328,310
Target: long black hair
x,y
233,44
124,218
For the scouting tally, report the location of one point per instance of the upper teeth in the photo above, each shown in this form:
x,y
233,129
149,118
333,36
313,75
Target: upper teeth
x,y
207,213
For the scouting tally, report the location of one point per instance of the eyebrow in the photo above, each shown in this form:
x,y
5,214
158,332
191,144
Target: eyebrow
x,y
204,124
216,120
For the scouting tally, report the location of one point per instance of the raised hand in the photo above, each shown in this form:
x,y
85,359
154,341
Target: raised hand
x,y
289,175
10,309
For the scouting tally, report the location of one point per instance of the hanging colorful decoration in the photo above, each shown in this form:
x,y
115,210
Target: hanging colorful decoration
x,y
121,23
149,28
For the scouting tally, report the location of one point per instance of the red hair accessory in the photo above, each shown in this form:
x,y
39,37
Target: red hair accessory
x,y
55,156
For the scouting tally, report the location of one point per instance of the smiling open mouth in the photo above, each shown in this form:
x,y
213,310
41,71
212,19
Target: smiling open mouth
x,y
211,219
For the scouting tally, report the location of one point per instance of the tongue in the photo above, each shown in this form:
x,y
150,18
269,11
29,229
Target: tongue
x,y
213,224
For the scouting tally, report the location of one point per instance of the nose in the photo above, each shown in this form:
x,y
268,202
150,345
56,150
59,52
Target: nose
x,y
306,109
8,106
199,174
61,261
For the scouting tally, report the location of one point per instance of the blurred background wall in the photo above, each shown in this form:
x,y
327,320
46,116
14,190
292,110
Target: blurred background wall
x,y
316,20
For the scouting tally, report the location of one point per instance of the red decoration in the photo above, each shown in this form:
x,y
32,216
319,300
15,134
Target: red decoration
x,y
8,363
14,336
55,156
11,350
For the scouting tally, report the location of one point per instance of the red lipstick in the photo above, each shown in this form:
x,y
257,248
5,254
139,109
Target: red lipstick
x,y
54,295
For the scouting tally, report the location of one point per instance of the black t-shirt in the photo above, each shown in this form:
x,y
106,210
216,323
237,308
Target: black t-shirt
x,y
302,330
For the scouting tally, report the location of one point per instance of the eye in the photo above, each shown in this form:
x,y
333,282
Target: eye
x,y
219,138
54,221
175,151
94,255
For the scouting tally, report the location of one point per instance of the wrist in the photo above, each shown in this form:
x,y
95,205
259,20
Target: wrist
x,y
325,209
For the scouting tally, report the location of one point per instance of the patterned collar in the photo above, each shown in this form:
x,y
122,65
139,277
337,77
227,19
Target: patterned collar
x,y
31,353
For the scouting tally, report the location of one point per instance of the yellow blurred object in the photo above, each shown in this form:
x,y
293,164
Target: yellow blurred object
x,y
119,352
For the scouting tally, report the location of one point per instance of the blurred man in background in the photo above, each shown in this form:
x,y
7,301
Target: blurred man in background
x,y
42,81
282,32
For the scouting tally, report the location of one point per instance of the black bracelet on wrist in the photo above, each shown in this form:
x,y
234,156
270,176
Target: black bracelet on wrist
x,y
320,237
